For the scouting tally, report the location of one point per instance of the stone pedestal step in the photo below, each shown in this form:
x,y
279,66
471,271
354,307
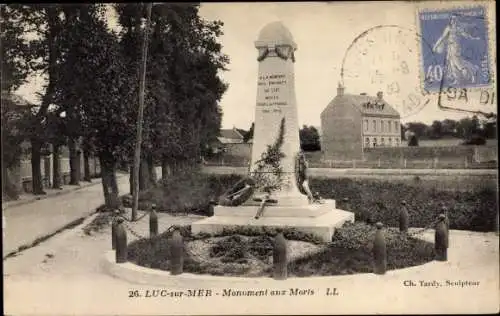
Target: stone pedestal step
x,y
322,226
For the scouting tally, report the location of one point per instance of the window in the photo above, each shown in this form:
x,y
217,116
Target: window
x,y
389,126
374,125
396,126
382,142
396,142
365,125
380,126
374,142
367,141
389,140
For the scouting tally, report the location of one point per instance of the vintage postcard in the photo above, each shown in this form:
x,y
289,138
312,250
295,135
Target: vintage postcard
x,y
250,158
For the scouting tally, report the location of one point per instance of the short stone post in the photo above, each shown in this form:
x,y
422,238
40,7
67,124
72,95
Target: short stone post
x,y
405,163
211,206
153,222
441,239
379,251
444,211
176,253
379,163
280,261
403,218
121,242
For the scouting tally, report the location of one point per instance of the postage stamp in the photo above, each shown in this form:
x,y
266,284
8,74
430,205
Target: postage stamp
x,y
458,55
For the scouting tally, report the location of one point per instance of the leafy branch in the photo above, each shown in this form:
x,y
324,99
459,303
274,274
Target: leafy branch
x,y
268,174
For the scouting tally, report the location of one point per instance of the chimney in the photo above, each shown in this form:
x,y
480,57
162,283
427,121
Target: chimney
x,y
340,90
380,95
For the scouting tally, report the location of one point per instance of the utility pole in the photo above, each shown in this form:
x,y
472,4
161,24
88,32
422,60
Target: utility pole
x,y
140,115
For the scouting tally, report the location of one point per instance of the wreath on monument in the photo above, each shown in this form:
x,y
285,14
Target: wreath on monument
x,y
239,193
300,172
267,176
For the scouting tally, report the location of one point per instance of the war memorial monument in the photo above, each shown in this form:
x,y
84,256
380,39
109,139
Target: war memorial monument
x,y
274,195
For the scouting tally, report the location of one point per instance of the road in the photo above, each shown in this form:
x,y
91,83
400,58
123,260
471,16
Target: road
x,y
27,222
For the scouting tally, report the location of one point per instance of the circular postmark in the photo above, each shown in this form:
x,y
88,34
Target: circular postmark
x,y
385,58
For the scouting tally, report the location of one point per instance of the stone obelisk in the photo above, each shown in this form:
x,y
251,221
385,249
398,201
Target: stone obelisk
x,y
276,100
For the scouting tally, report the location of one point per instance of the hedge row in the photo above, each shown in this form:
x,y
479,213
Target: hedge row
x,y
370,200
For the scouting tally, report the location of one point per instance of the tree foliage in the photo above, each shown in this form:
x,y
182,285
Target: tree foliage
x,y
182,113
309,138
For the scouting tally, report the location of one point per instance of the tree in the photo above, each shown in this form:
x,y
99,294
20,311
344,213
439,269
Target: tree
x,y
490,127
182,113
449,127
249,134
436,130
42,55
309,138
14,71
98,88
403,130
412,139
420,129
467,127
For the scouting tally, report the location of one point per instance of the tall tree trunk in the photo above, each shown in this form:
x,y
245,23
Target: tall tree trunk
x,y
131,178
74,162
152,171
109,184
36,172
56,166
86,166
144,181
9,186
165,169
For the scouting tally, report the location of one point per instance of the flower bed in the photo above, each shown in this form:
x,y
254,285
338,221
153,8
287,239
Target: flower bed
x,y
248,252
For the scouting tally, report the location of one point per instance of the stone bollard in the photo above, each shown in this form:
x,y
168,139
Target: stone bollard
x,y
280,257
211,206
121,242
176,244
441,239
379,251
444,211
153,222
403,218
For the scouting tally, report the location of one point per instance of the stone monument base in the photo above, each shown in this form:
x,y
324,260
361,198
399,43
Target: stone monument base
x,y
317,219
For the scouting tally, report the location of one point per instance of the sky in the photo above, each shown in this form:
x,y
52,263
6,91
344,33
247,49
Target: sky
x,y
387,58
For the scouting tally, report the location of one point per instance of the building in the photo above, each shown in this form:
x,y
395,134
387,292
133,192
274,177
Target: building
x,y
351,123
230,141
230,136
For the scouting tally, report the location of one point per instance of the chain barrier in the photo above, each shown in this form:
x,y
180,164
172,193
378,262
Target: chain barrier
x,y
129,220
133,232
421,231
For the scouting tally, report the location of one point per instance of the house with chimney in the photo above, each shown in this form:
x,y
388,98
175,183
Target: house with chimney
x,y
352,122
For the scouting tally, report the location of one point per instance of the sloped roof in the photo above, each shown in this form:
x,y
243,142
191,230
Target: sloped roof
x,y
365,104
230,133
